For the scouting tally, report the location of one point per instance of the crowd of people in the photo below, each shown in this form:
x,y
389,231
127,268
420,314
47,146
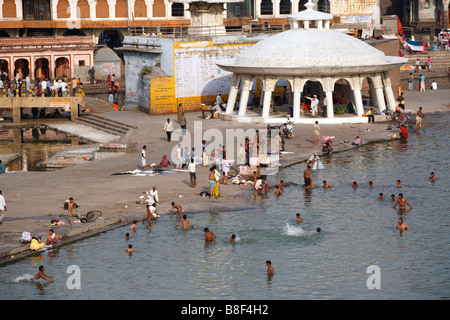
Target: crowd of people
x,y
42,87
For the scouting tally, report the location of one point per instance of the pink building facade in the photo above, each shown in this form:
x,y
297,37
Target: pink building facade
x,y
55,57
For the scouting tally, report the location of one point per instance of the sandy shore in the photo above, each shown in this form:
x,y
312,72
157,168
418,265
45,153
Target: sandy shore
x,y
34,198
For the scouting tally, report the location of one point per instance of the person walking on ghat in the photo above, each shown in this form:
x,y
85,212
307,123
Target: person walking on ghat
x,y
143,158
168,129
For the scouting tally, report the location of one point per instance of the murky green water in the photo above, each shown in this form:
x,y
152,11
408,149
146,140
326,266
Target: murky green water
x,y
358,231
34,145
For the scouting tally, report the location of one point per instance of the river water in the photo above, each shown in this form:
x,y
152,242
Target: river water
x,y
358,236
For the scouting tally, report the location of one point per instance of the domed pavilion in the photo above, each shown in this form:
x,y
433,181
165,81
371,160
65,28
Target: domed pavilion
x,y
310,54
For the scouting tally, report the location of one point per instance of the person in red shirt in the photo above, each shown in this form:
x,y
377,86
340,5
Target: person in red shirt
x,y
403,133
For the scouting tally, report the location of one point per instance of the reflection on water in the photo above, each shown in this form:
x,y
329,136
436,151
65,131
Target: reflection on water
x,y
34,145
357,231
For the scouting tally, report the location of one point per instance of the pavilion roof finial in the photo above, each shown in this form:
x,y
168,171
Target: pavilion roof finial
x,y
309,5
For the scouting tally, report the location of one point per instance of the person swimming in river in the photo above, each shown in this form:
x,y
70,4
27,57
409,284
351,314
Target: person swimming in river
x,y
209,236
381,196
402,202
233,238
432,177
398,184
41,275
326,185
354,185
279,189
185,222
401,226
297,216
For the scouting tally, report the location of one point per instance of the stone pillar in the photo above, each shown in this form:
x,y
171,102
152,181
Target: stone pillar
x,y
388,91
380,98
16,105
266,103
297,104
73,109
244,96
358,102
330,106
235,80
390,97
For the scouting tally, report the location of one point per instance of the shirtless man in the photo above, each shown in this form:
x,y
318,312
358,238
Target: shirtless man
x,y
185,222
393,198
179,209
151,211
41,275
399,184
402,202
209,236
298,217
381,196
279,188
432,177
269,267
130,249
326,185
307,178
70,207
401,226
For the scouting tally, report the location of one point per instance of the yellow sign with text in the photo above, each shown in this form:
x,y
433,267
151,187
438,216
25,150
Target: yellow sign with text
x,y
162,95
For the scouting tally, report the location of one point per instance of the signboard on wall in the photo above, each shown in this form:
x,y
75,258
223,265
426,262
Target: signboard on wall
x,y
198,79
162,95
356,11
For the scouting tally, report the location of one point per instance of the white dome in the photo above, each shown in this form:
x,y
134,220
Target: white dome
x,y
308,51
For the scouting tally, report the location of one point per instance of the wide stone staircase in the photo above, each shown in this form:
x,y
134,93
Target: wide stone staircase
x,y
440,59
109,126
95,105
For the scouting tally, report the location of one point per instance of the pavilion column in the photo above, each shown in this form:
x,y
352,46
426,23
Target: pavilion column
x,y
380,98
243,102
358,102
233,93
378,85
266,103
356,85
330,107
388,91
296,104
390,97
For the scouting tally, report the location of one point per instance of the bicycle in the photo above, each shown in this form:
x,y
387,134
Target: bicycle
x,y
90,216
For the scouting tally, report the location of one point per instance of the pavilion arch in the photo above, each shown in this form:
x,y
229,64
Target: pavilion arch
x,y
343,94
4,34
62,67
22,68
111,37
4,67
282,90
256,92
42,68
74,32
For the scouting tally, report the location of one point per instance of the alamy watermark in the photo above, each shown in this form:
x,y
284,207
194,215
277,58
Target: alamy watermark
x,y
239,144
374,280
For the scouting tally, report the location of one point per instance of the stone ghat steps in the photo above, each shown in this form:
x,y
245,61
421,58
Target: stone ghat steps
x,y
97,105
440,60
103,124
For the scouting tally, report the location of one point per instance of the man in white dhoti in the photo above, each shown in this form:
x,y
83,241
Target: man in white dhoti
x,y
314,104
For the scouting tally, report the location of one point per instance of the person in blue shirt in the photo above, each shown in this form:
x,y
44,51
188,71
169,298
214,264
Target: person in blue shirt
x,y
2,167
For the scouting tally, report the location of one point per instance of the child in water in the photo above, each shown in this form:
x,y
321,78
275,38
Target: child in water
x,y
41,275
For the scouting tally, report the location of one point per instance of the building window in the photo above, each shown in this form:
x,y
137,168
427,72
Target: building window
x,y
177,10
285,7
324,6
81,63
266,7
